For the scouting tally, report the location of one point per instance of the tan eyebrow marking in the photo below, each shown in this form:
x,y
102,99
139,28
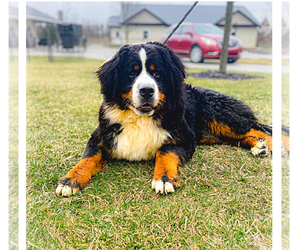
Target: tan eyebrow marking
x,y
136,67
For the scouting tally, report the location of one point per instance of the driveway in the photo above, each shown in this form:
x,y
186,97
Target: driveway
x,y
102,52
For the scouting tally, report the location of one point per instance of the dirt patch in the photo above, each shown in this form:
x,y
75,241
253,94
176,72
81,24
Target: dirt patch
x,y
219,75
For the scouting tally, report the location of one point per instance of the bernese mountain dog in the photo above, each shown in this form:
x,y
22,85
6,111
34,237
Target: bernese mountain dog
x,y
148,112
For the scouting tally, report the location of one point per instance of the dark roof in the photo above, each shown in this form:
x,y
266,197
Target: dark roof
x,y
32,14
13,12
171,14
114,21
36,15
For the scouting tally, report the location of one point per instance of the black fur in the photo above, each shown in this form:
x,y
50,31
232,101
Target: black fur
x,y
186,110
177,115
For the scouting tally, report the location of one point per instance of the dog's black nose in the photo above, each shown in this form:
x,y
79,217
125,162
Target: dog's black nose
x,y
146,91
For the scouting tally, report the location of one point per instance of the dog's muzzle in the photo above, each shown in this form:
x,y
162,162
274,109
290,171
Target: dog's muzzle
x,y
145,95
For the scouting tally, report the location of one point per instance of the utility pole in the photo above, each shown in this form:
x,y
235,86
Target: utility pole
x,y
224,52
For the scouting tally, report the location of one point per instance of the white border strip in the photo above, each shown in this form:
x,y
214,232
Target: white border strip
x,y
276,111
22,125
294,127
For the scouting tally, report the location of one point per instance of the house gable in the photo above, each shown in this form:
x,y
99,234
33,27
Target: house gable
x,y
238,19
144,17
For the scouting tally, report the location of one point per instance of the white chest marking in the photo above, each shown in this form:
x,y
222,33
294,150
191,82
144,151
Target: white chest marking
x,y
140,138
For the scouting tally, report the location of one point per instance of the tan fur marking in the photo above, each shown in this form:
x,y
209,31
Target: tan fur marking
x,y
209,140
80,175
248,140
219,129
251,139
166,165
285,141
86,168
127,95
160,100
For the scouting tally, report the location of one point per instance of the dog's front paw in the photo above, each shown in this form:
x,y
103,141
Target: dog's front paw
x,y
67,186
261,147
165,185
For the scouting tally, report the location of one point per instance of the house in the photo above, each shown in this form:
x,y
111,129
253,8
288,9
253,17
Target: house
x,y
33,18
140,22
13,27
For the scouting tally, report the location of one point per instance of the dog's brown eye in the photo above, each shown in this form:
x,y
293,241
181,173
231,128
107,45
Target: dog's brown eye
x,y
156,74
132,74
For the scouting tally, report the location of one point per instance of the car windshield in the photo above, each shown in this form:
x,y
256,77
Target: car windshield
x,y
207,30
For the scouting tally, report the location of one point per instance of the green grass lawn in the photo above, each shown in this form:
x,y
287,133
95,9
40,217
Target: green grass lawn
x,y
224,202
13,153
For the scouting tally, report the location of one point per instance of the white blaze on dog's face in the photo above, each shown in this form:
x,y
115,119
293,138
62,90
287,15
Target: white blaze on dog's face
x,y
145,93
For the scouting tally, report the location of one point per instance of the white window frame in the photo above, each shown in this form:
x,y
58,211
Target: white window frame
x,y
143,34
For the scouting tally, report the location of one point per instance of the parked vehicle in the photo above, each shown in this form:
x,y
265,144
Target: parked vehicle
x,y
201,41
70,35
44,42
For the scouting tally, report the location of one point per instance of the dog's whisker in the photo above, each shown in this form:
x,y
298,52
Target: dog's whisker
x,y
127,101
162,100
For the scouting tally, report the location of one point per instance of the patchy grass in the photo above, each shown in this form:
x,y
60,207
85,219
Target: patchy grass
x,y
285,167
224,203
13,153
253,61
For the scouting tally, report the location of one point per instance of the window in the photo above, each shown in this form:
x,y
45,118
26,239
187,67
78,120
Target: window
x,y
184,29
202,29
170,29
145,34
178,31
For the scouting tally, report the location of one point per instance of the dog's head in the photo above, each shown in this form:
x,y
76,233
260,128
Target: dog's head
x,y
142,77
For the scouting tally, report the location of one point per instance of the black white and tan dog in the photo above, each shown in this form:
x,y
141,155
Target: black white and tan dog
x,y
148,112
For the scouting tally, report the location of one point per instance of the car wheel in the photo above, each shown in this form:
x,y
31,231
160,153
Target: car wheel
x,y
196,54
232,60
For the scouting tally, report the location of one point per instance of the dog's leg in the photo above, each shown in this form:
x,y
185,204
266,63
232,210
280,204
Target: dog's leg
x,y
285,143
165,178
80,175
261,143
91,163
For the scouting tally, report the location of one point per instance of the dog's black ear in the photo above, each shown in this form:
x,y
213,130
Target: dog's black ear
x,y
107,74
176,78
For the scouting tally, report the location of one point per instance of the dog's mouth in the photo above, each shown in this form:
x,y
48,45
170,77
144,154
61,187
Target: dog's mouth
x,y
145,108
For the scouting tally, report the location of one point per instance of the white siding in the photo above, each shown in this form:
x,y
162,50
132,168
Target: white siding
x,y
248,35
136,32
144,17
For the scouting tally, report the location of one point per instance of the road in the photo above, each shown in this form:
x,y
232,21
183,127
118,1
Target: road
x,y
102,52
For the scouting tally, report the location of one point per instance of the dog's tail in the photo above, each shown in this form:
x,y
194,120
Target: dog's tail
x,y
264,128
285,130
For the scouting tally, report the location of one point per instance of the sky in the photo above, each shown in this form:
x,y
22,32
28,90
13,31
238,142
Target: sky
x,y
98,12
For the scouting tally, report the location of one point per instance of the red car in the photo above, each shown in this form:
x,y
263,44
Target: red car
x,y
201,41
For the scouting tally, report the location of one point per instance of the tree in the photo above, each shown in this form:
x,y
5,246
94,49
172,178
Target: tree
x,y
127,9
224,52
264,34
